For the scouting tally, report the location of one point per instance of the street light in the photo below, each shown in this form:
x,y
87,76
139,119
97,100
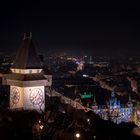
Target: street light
x,y
88,120
41,127
77,135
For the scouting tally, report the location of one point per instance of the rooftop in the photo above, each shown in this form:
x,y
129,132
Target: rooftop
x,y
27,57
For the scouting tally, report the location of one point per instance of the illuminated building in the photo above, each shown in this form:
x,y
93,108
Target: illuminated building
x,y
27,80
114,111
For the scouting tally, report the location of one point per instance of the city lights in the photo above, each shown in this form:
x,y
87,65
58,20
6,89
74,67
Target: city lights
x,y
77,77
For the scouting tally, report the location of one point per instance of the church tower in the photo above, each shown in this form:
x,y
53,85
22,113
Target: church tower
x,y
27,81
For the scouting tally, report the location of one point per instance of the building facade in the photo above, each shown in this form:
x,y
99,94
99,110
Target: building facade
x,y
27,80
114,111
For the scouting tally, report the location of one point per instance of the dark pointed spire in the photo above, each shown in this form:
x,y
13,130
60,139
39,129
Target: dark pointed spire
x,y
129,99
94,100
130,104
27,57
113,93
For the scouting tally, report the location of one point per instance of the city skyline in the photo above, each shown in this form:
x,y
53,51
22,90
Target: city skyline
x,y
96,28
60,96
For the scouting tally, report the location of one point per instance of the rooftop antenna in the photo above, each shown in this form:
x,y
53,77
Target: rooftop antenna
x,y
30,35
27,36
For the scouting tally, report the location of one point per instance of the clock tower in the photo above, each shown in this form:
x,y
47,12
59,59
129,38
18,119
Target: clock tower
x,y
27,80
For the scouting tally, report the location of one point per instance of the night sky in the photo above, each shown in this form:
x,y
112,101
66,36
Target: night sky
x,y
77,27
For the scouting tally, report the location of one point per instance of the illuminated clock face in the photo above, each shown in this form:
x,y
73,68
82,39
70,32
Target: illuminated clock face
x,y
15,95
36,96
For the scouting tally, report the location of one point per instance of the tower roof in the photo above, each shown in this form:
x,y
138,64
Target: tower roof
x,y
27,57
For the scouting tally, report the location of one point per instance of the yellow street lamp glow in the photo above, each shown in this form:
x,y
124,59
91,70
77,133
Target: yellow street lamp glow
x,y
77,135
41,127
